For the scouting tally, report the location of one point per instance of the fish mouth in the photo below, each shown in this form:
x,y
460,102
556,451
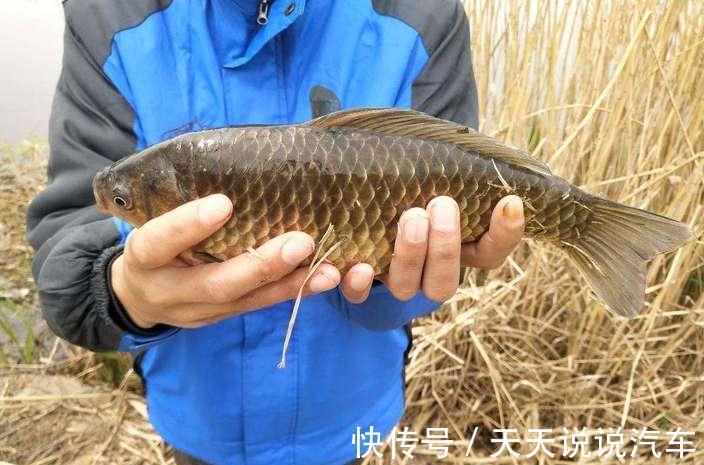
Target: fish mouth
x,y
99,185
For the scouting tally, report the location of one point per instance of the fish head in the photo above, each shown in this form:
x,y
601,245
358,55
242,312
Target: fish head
x,y
138,188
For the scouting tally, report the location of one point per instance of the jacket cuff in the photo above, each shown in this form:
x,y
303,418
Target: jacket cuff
x,y
384,312
134,337
105,296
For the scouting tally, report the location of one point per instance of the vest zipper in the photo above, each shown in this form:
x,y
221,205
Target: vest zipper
x,y
263,17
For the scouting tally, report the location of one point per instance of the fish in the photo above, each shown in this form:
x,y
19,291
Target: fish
x,y
355,171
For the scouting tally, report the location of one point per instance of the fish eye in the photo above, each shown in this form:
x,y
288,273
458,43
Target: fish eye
x,y
121,202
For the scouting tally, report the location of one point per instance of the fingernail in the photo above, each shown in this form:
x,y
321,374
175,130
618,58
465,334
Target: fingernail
x,y
361,278
443,214
323,281
415,229
513,209
296,249
214,209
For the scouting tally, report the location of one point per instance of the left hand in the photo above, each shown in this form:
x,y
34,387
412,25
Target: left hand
x,y
428,252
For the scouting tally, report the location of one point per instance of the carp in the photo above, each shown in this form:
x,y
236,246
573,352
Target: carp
x,y
359,169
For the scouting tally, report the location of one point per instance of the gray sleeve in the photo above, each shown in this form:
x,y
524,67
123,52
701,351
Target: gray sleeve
x,y
90,126
446,87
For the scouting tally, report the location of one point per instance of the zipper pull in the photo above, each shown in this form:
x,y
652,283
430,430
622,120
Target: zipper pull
x,y
263,17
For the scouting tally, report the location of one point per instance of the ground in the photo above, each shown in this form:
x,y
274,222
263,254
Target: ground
x,y
58,404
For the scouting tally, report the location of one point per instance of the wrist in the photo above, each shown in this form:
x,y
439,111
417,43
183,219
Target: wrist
x,y
125,299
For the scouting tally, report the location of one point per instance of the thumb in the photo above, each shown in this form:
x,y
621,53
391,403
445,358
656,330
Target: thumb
x,y
163,238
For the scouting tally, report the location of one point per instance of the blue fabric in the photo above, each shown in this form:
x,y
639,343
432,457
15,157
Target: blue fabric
x,y
135,342
215,392
123,229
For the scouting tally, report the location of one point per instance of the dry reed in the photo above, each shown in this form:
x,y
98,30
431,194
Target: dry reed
x,y
611,95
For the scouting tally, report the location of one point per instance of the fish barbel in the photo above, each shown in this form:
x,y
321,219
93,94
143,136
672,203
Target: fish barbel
x,y
358,170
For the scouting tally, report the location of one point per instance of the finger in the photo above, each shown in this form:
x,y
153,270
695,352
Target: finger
x,y
325,278
161,239
383,278
504,234
442,263
228,281
357,283
406,269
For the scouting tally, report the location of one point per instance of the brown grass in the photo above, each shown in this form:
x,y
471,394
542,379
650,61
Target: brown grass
x,y
621,114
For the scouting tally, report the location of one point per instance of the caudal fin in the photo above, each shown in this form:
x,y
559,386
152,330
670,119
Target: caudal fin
x,y
611,253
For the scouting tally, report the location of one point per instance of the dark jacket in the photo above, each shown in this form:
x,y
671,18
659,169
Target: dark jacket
x,y
138,72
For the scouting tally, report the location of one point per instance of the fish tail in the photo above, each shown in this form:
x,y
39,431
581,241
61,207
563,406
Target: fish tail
x,y
612,251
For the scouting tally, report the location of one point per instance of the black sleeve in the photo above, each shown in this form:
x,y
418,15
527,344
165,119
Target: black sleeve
x,y
90,126
446,87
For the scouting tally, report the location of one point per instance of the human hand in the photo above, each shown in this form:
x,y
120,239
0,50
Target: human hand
x,y
154,286
428,252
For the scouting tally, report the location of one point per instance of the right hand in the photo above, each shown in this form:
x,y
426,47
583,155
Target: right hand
x,y
155,286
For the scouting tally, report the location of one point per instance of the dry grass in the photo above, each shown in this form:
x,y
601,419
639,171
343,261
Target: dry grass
x,y
611,94
58,404
21,175
622,115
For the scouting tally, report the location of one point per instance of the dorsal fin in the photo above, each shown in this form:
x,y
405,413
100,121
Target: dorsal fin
x,y
394,121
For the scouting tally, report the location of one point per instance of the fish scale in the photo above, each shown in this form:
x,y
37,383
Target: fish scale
x,y
360,185
359,170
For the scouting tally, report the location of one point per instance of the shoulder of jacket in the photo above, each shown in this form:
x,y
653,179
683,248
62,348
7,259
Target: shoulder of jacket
x,y
95,22
434,20
114,11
